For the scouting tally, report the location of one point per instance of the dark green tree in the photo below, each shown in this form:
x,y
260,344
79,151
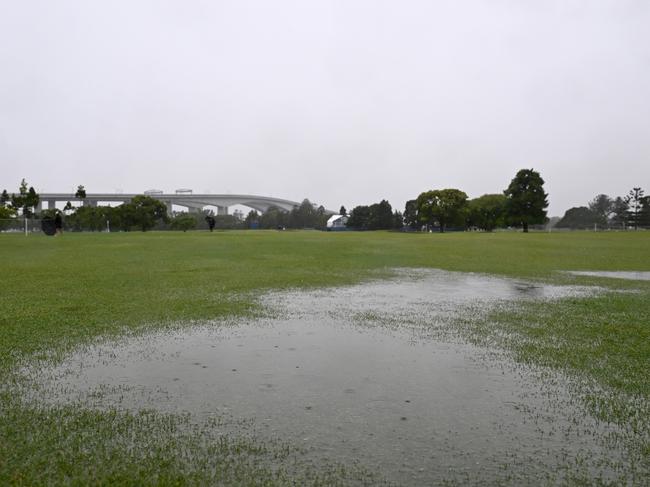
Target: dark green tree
x,y
143,212
4,198
359,217
411,217
381,216
274,217
487,212
444,207
18,200
252,219
633,200
321,217
343,211
88,218
378,216
32,200
398,220
183,221
81,192
602,205
526,199
619,213
227,222
644,215
123,217
7,213
26,200
581,218
302,216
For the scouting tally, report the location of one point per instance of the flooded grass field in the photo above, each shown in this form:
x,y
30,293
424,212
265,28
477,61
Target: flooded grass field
x,y
376,373
314,359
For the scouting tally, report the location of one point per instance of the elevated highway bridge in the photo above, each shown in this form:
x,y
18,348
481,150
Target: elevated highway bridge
x,y
193,202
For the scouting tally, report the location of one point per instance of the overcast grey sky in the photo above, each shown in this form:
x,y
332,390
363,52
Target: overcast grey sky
x,y
345,102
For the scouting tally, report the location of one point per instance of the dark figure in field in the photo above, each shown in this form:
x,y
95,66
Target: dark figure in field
x,y
47,225
58,224
211,222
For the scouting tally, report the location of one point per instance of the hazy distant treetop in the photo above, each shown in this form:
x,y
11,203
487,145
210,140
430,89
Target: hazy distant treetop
x,y
619,212
602,205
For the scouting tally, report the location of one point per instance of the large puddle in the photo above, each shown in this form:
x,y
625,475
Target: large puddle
x,y
361,373
630,275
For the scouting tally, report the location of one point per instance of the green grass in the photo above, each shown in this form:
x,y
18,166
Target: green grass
x,y
59,292
82,285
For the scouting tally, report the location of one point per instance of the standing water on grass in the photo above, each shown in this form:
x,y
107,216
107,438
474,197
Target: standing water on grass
x,y
372,373
630,275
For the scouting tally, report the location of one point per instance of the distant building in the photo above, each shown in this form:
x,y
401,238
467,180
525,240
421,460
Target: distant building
x,y
337,222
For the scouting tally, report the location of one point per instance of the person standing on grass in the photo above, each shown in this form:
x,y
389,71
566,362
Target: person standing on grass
x,y
211,222
58,223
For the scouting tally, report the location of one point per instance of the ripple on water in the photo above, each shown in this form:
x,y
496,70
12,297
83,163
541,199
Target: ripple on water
x,y
416,410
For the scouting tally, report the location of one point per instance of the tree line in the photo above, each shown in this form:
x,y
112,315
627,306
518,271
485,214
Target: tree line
x,y
522,203
629,211
144,213
305,215
378,216
23,202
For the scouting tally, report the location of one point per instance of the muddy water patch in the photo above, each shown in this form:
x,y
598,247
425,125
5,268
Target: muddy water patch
x,y
317,372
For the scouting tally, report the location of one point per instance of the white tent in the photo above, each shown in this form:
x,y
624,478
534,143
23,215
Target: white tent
x,y
337,222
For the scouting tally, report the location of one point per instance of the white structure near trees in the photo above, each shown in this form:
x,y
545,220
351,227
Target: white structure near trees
x,y
337,222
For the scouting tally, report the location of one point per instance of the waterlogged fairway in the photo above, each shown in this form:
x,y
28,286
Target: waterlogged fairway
x,y
577,364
